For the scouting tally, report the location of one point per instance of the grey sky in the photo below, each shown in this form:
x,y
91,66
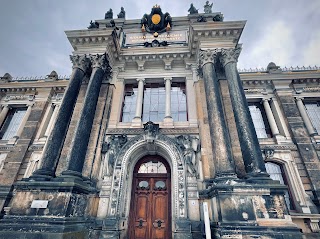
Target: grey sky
x,y
33,42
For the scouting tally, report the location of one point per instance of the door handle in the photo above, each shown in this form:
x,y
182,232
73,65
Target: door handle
x,y
158,223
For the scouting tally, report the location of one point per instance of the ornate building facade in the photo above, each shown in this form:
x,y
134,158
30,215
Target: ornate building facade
x,y
156,134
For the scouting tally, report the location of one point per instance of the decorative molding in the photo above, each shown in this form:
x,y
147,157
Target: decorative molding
x,y
165,131
208,56
278,147
19,97
6,148
230,55
100,61
80,61
306,81
36,147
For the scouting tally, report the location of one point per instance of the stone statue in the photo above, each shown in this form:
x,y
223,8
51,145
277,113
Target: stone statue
x,y
93,25
190,147
192,9
218,18
208,7
122,13
111,148
109,14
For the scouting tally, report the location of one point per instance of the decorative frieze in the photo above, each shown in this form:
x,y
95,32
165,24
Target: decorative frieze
x,y
19,97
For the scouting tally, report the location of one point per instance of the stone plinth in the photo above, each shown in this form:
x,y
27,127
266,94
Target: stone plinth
x,y
244,210
49,210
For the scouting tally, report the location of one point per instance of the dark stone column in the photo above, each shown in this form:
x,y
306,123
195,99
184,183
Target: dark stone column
x,y
220,139
56,139
250,148
79,144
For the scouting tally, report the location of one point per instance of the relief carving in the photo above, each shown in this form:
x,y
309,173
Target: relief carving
x,y
190,147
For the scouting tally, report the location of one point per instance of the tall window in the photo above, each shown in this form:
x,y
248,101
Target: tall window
x,y
12,123
154,102
129,102
260,121
313,110
276,173
178,102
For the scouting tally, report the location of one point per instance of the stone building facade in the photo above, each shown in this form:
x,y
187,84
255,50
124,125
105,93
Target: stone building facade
x,y
156,134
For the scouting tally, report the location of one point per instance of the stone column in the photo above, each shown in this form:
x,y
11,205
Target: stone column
x,y
250,147
137,119
56,139
4,113
168,118
79,143
305,117
221,145
270,117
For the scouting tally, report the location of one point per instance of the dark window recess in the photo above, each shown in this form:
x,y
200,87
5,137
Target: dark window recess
x,y
260,120
12,122
277,173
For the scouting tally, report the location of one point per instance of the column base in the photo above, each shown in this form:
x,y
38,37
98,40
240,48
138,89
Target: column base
x,y
73,176
136,122
49,210
244,210
168,121
40,175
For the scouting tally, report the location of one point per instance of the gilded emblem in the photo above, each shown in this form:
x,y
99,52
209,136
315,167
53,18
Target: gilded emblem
x,y
156,22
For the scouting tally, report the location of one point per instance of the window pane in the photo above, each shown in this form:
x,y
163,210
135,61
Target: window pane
x,y
129,103
152,167
258,122
153,102
313,111
276,173
178,102
12,123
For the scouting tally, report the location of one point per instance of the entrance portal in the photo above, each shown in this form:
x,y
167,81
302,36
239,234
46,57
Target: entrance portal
x,y
150,210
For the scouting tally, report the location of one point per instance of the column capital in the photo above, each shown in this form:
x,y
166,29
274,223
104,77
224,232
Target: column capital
x,y
207,56
81,62
299,98
229,55
100,61
167,78
141,79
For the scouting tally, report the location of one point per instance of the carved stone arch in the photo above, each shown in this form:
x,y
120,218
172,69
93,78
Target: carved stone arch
x,y
131,152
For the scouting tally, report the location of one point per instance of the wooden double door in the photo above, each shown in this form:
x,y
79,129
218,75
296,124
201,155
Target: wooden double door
x,y
150,211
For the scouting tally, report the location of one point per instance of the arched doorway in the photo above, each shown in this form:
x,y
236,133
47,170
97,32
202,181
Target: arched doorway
x,y
150,208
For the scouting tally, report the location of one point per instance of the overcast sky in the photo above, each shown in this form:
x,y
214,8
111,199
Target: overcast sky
x,y
33,42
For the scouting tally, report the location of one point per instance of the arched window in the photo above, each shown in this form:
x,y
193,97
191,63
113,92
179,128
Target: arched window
x,y
152,167
276,173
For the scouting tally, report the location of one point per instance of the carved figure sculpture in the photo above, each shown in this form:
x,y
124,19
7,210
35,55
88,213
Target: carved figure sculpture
x,y
109,14
93,25
190,147
208,7
192,9
122,13
111,148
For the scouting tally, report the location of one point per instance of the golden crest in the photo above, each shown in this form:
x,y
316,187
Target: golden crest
x,y
156,18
